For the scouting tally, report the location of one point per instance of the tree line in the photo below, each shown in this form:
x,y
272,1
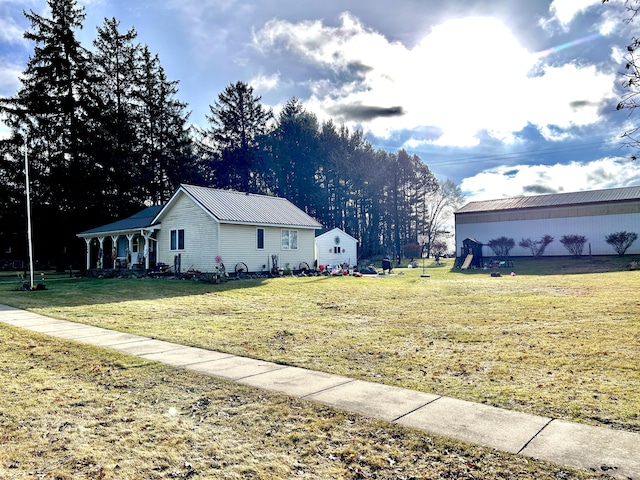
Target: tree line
x,y
105,135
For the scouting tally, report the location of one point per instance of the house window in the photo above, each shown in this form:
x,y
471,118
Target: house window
x,y
289,240
260,238
177,239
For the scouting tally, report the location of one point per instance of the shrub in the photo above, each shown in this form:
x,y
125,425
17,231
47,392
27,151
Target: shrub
x,y
621,241
438,248
412,250
574,243
536,247
502,246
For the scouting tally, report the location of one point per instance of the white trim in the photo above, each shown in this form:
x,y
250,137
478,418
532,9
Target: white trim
x,y
336,229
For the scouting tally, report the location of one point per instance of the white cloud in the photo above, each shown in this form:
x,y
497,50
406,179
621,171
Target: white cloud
x,y
466,77
566,96
564,11
5,132
264,82
10,31
520,180
9,77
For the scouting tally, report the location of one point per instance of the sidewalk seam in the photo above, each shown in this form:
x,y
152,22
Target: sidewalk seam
x,y
282,367
349,380
416,409
535,436
185,365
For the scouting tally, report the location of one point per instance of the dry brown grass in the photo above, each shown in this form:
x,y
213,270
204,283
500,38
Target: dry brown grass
x,y
69,411
553,340
565,346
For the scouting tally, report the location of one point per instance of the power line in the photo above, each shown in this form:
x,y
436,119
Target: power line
x,y
522,154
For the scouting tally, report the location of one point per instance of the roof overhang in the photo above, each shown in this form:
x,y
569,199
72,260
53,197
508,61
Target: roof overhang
x,y
335,230
116,233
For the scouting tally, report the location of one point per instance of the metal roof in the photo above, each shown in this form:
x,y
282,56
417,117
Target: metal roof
x,y
230,206
554,200
140,220
326,231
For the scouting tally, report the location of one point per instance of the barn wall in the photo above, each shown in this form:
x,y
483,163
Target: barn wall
x,y
568,211
593,227
200,236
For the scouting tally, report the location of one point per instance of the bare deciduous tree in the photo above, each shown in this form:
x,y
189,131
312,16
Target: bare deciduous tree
x,y
631,84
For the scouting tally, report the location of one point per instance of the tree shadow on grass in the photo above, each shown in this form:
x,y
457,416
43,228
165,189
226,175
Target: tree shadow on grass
x,y
75,292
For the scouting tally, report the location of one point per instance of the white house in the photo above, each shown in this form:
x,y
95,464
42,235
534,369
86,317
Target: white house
x,y
593,214
336,247
201,228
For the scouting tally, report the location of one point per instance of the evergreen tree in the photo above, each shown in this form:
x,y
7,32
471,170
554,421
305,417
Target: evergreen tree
x,y
51,111
239,124
294,152
117,116
12,199
166,155
105,132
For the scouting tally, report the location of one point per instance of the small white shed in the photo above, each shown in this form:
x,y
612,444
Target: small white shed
x,y
336,246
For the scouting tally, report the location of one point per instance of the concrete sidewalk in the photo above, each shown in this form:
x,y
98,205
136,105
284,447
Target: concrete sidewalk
x,y
612,452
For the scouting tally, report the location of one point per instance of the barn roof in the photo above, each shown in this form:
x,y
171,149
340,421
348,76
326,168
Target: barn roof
x,y
553,200
140,220
230,206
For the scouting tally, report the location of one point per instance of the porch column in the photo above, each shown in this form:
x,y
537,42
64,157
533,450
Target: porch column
x,y
88,242
114,250
147,249
101,253
130,249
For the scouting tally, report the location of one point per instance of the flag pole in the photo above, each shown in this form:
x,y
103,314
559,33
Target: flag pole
x,y
26,173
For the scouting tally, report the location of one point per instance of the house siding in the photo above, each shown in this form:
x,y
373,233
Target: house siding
x,y
238,244
201,233
224,223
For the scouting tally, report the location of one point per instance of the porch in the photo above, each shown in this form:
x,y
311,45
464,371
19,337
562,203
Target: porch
x,y
125,244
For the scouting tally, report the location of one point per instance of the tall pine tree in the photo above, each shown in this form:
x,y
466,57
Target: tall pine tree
x,y
115,60
239,123
294,148
50,110
165,146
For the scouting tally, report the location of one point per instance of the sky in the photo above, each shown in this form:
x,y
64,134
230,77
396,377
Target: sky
x,y
505,98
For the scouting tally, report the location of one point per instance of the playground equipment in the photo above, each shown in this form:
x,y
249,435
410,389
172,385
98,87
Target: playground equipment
x,y
472,253
467,262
